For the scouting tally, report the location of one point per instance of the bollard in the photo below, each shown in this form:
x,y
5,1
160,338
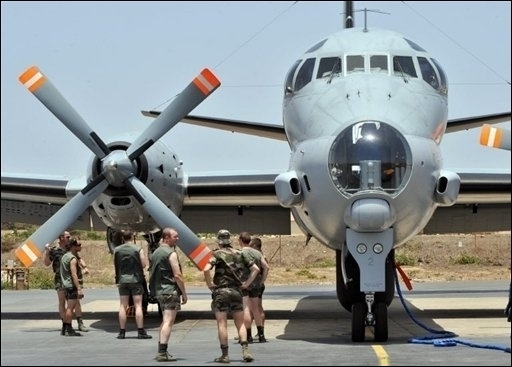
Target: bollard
x,y
20,279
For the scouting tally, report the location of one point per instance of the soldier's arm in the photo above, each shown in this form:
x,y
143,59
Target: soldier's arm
x,y
265,268
178,276
46,256
254,272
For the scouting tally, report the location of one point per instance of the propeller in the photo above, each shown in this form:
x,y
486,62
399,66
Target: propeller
x,y
51,98
495,137
190,244
118,167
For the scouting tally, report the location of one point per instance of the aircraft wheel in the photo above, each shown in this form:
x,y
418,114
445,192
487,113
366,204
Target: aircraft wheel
x,y
381,322
358,330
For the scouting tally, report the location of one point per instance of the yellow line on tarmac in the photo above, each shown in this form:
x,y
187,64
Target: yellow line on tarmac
x,y
382,356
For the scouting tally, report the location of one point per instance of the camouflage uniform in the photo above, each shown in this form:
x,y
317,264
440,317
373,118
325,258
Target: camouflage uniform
x,y
56,254
230,269
255,289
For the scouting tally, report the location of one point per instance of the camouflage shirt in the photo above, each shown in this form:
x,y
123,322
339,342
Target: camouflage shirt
x,y
56,254
230,267
255,256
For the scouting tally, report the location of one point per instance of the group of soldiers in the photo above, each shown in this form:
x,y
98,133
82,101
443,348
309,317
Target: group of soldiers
x,y
237,286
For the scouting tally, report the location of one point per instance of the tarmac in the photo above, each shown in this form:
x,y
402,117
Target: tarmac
x,y
305,325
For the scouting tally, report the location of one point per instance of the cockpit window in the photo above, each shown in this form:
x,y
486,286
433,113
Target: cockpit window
x,y
305,74
404,65
428,72
378,63
355,63
329,67
288,86
442,76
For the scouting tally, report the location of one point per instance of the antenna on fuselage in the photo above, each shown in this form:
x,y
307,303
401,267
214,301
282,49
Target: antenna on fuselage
x,y
349,14
365,16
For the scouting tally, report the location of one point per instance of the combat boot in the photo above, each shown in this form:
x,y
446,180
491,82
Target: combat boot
x,y
222,359
261,335
81,325
247,356
70,331
164,357
142,334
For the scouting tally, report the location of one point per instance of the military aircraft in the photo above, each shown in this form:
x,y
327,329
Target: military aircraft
x,y
364,114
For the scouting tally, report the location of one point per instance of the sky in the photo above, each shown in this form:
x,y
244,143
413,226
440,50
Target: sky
x,y
111,60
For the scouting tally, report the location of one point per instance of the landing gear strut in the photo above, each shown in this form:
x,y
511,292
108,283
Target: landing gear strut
x,y
366,293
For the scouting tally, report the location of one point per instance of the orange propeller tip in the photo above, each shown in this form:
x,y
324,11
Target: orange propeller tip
x,y
484,134
28,73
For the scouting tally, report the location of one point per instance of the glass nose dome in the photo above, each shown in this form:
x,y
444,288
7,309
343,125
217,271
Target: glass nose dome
x,y
369,155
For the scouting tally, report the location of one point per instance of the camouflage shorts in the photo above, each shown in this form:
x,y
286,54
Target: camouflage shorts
x,y
169,301
58,283
227,299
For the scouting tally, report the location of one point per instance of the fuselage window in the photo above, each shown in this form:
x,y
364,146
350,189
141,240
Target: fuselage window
x,y
428,73
305,74
378,63
288,86
403,65
329,67
355,63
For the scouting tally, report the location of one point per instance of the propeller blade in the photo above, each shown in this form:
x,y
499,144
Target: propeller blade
x,y
33,248
39,85
495,137
196,250
196,92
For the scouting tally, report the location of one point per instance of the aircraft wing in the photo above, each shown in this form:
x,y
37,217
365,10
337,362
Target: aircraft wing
x,y
270,131
274,131
483,205
248,200
243,201
476,121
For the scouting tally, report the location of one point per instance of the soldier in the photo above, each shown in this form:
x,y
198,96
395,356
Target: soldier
x,y
130,262
167,284
52,256
70,275
251,295
256,244
227,286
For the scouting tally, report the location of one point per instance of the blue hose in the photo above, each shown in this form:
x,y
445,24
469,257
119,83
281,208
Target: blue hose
x,y
441,338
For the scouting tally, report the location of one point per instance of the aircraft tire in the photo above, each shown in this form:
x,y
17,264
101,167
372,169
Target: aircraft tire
x,y
381,322
358,328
